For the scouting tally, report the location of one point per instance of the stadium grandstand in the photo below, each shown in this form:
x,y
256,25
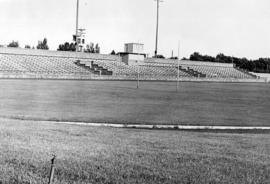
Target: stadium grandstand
x,y
43,64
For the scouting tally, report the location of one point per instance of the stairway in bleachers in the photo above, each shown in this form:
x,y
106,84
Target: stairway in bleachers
x,y
192,72
93,67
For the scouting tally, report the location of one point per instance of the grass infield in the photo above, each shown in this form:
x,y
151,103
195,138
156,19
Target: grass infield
x,y
216,104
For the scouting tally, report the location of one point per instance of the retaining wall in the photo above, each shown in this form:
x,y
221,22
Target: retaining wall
x,y
26,75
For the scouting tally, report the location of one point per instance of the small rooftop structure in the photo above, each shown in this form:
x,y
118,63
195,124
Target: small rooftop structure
x,y
133,53
134,48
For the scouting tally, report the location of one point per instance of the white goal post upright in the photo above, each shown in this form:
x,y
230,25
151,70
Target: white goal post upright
x,y
177,83
138,76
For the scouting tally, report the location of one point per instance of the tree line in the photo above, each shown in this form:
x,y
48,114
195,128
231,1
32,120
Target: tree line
x,y
90,48
41,45
261,65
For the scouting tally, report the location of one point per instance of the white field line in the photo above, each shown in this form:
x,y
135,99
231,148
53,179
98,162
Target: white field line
x,y
140,126
180,127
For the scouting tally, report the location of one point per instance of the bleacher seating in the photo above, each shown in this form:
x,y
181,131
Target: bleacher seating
x,y
218,72
39,64
207,69
76,64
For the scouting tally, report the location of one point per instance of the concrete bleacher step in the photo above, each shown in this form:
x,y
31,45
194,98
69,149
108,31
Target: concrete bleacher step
x,y
191,72
93,67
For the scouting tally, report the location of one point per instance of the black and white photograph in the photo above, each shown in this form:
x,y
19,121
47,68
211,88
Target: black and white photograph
x,y
134,92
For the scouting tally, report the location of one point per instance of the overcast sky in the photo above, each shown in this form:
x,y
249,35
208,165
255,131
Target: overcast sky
x,y
233,27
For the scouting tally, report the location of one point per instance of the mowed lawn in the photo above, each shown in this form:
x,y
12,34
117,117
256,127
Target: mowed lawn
x,y
240,104
109,155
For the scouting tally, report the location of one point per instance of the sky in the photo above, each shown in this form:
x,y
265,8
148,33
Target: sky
x,y
239,28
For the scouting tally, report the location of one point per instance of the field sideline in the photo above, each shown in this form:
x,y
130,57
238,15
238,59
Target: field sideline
x,y
214,104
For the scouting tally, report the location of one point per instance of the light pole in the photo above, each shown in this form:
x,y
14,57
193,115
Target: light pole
x,y
156,46
77,24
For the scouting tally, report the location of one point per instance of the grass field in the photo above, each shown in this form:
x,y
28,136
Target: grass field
x,y
109,155
239,104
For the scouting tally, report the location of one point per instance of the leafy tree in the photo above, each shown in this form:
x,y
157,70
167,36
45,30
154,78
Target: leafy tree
x,y
43,44
196,56
113,52
27,47
173,58
13,44
261,65
67,47
72,47
159,56
97,49
92,48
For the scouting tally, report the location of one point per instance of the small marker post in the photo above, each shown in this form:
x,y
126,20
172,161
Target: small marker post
x,y
52,170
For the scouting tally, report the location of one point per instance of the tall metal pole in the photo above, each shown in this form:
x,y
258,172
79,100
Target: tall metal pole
x,y
156,48
177,85
77,24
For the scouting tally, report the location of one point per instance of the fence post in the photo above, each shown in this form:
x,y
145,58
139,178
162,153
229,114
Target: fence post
x,y
52,169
